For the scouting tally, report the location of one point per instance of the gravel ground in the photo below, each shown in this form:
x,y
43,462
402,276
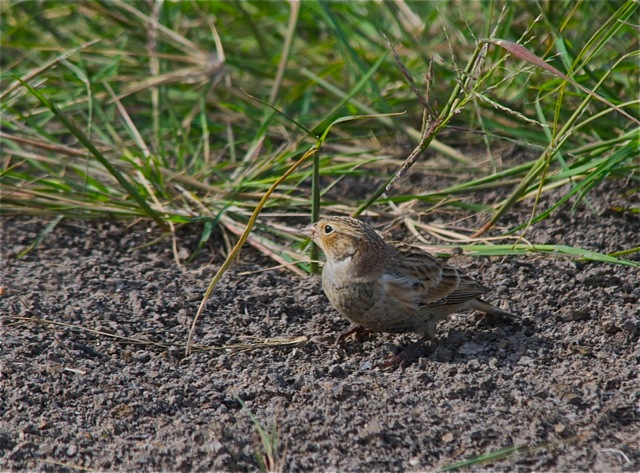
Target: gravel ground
x,y
563,385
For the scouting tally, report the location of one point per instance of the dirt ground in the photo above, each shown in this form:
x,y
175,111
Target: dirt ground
x,y
564,385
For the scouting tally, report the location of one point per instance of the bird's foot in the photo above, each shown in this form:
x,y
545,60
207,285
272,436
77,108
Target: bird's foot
x,y
358,331
407,356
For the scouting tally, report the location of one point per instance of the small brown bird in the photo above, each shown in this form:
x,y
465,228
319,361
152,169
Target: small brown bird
x,y
390,288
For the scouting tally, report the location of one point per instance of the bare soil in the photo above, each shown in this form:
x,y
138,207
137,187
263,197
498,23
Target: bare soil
x,y
564,385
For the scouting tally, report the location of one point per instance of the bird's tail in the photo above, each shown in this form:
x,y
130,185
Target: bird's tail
x,y
492,310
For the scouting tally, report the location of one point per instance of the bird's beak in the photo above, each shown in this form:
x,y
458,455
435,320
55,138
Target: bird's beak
x,y
309,231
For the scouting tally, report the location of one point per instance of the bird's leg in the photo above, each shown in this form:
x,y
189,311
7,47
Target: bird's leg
x,y
357,330
407,355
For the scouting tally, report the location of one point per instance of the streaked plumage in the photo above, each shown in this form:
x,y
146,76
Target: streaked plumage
x,y
390,288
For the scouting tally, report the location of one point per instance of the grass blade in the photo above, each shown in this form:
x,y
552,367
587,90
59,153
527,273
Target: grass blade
x,y
75,131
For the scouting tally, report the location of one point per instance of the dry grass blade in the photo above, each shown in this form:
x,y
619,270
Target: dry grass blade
x,y
236,249
409,78
259,344
260,244
120,338
70,466
256,343
179,41
523,53
211,69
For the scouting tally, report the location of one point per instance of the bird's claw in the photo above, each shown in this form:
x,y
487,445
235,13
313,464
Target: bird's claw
x,y
358,331
406,357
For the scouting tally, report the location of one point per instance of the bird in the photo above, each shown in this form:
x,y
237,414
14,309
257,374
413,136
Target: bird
x,y
391,287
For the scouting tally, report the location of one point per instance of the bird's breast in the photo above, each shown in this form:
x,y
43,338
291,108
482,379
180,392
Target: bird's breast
x,y
351,297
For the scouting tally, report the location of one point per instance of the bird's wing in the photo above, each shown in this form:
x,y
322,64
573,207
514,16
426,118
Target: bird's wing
x,y
432,281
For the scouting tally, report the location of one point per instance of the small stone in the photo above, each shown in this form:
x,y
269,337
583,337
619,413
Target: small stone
x,y
526,361
472,348
448,437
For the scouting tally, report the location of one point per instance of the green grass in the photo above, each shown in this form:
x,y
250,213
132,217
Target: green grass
x,y
188,113
271,459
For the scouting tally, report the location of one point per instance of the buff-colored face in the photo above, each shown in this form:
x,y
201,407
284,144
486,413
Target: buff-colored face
x,y
337,237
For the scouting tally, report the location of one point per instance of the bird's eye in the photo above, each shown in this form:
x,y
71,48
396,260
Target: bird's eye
x,y
328,229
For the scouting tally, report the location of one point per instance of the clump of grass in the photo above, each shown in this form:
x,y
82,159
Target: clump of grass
x,y
271,459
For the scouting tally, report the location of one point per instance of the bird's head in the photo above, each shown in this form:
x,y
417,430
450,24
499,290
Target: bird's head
x,y
342,237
